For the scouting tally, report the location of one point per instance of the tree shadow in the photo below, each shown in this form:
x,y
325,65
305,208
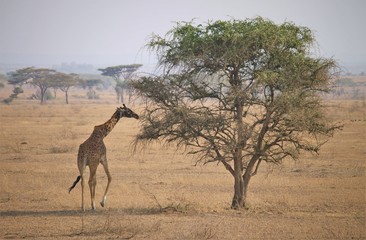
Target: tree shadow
x,y
108,211
30,213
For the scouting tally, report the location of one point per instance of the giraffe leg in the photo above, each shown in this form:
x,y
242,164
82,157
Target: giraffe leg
x,y
81,166
82,193
92,184
105,165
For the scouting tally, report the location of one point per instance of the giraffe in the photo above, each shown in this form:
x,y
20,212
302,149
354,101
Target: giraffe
x,y
93,151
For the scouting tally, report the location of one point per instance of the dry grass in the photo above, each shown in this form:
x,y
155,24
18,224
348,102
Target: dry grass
x,y
158,193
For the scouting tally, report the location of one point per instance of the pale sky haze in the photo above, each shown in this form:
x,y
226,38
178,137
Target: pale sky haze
x,y
113,32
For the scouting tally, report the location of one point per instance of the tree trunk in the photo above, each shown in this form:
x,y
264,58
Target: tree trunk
x,y
240,189
119,91
238,199
67,97
121,97
247,176
246,179
43,95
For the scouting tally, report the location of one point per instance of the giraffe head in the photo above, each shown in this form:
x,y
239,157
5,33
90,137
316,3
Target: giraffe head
x,y
126,112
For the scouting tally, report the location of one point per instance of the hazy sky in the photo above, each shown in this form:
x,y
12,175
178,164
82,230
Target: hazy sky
x,y
112,32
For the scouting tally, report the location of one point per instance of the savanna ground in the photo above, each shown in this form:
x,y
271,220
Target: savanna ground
x,y
158,193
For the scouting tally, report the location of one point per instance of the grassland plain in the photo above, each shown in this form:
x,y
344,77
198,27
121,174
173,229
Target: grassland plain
x,y
158,193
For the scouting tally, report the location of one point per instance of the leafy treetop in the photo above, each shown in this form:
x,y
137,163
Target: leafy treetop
x,y
238,92
116,72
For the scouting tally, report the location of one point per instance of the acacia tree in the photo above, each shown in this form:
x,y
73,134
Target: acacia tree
x,y
237,92
3,79
42,78
64,82
90,84
120,74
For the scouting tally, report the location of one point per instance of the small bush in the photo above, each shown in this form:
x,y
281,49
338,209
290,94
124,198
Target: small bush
x,y
60,149
92,95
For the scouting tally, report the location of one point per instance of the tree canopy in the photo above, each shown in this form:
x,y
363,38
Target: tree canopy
x,y
90,84
38,77
120,71
121,74
43,79
64,82
238,92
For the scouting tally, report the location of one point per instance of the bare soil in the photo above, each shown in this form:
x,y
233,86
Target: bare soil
x,y
159,193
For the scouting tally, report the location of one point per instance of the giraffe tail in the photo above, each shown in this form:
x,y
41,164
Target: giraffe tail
x,y
74,184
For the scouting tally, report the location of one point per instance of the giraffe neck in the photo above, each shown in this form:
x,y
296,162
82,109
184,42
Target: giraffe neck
x,y
104,129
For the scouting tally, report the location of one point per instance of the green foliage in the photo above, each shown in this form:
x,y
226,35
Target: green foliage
x,y
116,72
42,78
64,81
346,82
122,74
238,92
3,79
225,42
16,92
254,65
91,94
90,83
46,95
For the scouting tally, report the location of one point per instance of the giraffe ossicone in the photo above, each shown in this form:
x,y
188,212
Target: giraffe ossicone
x,y
93,151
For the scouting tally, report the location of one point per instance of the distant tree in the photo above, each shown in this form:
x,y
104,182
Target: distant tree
x,y
3,80
345,82
42,78
239,93
90,84
16,91
64,82
121,74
